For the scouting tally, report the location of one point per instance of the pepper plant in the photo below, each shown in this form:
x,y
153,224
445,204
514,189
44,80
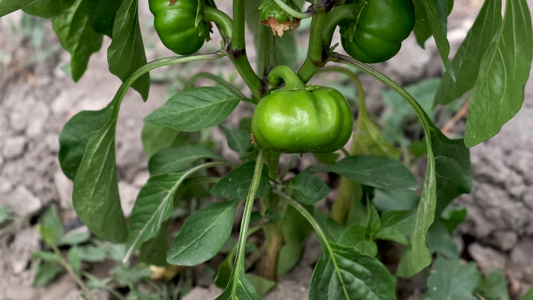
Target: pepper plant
x,y
491,67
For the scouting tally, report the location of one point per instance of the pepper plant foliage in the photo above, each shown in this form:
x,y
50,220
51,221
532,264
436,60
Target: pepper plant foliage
x,y
492,65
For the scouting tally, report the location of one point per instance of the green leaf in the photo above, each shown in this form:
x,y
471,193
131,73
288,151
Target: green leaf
x,y
355,237
295,229
102,15
74,260
128,276
238,140
95,196
75,238
452,280
392,234
9,6
261,284
387,200
46,272
528,295
440,241
126,52
452,167
195,109
4,213
344,273
373,221
327,158
48,8
432,15
241,289
399,220
224,271
155,138
494,286
153,206
92,253
178,158
47,256
370,139
332,229
308,189
51,226
453,216
499,91
77,36
377,171
235,184
154,251
467,61
76,134
203,234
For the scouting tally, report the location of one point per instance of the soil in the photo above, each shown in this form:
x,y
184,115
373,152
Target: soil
x,y
37,98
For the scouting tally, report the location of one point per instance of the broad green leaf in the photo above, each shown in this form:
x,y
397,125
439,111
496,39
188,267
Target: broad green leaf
x,y
332,229
344,273
377,171
373,224
451,217
74,260
4,213
9,6
153,206
46,272
327,158
355,237
51,226
308,189
102,15
92,253
499,91
235,184
48,8
452,280
295,229
75,238
76,134
224,272
493,286
440,241
399,220
238,140
468,58
126,52
47,256
130,276
528,295
95,196
261,284
195,109
387,200
370,139
155,138
77,36
452,167
432,15
203,234
392,234
178,158
242,289
154,251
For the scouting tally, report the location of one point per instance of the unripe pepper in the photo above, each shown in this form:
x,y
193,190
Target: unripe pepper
x,y
382,26
301,118
175,25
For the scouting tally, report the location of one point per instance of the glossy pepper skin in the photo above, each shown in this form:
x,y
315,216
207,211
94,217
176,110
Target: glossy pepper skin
x,y
382,26
302,119
175,25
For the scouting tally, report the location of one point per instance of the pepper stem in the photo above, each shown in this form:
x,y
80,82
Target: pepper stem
x,y
279,73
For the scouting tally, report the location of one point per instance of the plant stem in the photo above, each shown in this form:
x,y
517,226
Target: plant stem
x,y
67,267
317,55
221,81
237,52
223,22
291,11
248,207
279,73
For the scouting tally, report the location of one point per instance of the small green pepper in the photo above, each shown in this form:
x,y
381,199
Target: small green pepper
x,y
301,118
382,26
175,25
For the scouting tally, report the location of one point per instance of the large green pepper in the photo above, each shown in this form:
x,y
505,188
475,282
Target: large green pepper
x,y
382,26
301,118
175,25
